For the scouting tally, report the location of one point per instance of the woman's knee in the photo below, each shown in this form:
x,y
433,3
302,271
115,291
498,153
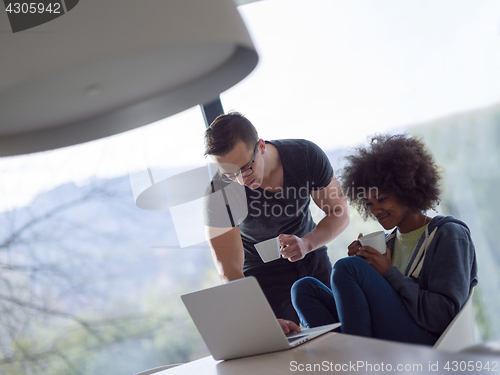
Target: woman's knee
x,y
304,287
346,266
349,262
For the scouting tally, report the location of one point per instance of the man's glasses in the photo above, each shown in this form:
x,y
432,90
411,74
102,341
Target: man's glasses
x,y
228,177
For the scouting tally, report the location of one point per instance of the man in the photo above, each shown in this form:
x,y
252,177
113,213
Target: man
x,y
279,179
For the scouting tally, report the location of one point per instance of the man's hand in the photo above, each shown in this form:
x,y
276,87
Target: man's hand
x,y
293,248
288,326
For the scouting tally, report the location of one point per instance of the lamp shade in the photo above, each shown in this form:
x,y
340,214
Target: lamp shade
x,y
108,66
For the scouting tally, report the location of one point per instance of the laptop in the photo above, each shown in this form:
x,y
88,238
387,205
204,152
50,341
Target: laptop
x,y
235,320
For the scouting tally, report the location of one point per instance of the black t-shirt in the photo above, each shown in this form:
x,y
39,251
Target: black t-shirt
x,y
260,214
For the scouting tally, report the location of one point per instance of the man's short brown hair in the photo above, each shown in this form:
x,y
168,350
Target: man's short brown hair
x,y
226,131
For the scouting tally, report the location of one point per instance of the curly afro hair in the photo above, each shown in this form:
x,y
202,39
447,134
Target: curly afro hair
x,y
397,164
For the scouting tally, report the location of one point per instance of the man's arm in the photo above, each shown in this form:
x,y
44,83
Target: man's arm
x,y
227,252
332,201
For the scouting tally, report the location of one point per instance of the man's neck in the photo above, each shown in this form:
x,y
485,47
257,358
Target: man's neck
x,y
273,170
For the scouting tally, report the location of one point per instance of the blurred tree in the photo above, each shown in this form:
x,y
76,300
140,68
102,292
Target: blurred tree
x,y
78,293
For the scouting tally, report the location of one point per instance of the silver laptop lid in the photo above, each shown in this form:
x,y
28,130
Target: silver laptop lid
x,y
235,319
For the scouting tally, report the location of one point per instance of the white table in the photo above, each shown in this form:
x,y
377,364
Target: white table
x,y
337,353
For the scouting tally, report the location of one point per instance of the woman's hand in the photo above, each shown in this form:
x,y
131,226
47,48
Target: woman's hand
x,y
381,262
288,326
353,248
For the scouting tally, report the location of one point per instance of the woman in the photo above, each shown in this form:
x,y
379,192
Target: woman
x,y
413,291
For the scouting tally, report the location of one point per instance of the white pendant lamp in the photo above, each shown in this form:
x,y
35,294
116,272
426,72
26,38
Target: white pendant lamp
x,y
108,66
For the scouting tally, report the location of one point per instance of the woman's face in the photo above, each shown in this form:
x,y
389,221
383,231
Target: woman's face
x,y
388,210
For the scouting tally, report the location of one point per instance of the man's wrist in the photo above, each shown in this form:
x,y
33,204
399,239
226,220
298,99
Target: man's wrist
x,y
308,244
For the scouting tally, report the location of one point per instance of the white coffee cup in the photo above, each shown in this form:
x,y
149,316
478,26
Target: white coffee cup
x,y
269,250
375,240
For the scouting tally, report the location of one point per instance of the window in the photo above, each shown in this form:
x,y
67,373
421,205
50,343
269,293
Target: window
x,y
90,283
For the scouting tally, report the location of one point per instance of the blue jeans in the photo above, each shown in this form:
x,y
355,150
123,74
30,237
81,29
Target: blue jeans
x,y
362,300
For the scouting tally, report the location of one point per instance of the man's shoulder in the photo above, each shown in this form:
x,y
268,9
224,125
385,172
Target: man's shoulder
x,y
292,142
296,148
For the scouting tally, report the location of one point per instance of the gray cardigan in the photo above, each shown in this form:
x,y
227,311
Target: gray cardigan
x,y
440,275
